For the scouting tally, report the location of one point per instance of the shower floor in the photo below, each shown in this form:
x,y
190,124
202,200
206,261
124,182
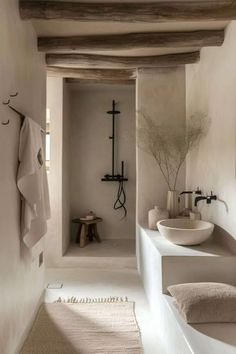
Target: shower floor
x,y
109,254
107,248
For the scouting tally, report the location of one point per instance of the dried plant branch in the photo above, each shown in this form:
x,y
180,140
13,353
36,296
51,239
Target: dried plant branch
x,y
170,145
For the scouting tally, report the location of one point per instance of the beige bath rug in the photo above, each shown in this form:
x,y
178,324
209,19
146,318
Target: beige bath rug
x,y
87,326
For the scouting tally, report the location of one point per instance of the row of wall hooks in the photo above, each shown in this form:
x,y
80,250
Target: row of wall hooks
x,y
21,115
7,103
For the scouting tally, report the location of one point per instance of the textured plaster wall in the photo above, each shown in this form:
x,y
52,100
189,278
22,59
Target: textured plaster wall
x,y
91,155
55,105
21,280
161,96
66,154
58,236
211,89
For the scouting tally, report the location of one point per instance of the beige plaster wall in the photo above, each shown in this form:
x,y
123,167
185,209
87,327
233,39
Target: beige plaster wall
x,y
91,155
160,95
55,225
21,279
66,154
58,236
211,89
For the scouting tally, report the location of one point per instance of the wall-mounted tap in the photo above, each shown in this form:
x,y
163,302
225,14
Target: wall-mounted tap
x,y
198,191
189,195
211,197
197,199
186,192
208,199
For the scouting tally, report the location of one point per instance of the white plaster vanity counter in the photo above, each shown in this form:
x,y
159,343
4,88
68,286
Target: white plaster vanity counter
x,y
210,261
166,248
161,264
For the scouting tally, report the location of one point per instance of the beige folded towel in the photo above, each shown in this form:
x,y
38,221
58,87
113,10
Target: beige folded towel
x,y
205,302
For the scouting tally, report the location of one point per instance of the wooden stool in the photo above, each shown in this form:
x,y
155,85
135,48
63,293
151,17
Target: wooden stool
x,y
87,231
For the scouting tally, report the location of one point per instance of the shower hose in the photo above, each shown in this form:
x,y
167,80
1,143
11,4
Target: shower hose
x,y
121,199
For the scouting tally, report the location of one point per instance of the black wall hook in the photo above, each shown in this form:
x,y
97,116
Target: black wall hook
x,y
6,123
14,94
6,103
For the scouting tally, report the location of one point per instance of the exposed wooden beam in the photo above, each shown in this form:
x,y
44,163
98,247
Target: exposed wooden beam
x,y
104,61
132,41
130,12
103,81
106,75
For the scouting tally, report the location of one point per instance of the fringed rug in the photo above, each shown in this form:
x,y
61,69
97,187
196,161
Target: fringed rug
x,y
87,326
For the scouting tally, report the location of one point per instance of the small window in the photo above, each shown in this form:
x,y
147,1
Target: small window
x,y
48,138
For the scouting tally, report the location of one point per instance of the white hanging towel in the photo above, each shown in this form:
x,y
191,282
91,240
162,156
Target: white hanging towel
x,y
32,183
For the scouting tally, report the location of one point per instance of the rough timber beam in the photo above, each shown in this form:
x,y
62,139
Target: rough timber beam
x,y
126,41
94,75
130,12
121,62
103,81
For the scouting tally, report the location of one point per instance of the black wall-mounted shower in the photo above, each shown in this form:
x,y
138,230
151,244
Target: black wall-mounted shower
x,y
120,178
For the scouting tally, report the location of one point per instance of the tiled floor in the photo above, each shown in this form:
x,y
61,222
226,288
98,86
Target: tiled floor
x,y
104,283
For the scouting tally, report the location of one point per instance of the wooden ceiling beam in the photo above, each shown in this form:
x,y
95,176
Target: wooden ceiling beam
x,y
128,41
129,12
106,75
103,81
104,61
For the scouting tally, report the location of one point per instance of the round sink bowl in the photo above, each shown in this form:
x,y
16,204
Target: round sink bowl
x,y
185,232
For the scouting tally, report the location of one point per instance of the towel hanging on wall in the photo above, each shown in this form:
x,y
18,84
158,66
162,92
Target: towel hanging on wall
x,y
32,183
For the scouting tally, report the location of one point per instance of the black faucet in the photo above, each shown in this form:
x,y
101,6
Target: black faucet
x,y
197,199
186,192
208,199
198,191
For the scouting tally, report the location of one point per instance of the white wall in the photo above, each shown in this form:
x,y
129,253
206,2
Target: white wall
x,y
58,235
211,89
21,280
161,96
55,105
91,155
66,153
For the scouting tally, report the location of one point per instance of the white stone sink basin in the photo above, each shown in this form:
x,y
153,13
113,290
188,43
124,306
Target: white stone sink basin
x,y
185,232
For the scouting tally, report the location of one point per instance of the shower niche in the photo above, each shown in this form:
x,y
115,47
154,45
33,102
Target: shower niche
x,y
102,172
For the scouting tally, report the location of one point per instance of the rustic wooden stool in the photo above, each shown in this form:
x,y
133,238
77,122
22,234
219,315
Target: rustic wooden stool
x,y
87,231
